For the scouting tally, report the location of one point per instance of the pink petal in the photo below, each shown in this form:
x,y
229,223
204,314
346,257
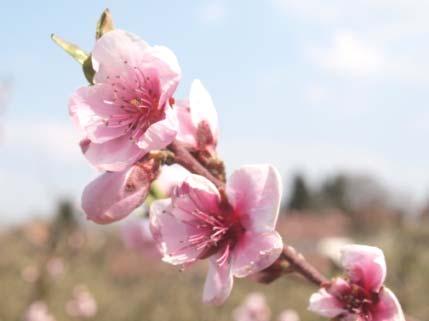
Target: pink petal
x,y
365,265
202,107
171,233
115,52
170,177
89,112
388,308
112,196
169,72
255,252
288,315
255,192
114,155
339,287
186,131
219,281
325,304
195,192
161,133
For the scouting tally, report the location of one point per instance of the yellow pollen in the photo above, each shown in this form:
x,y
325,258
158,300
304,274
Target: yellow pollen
x,y
135,102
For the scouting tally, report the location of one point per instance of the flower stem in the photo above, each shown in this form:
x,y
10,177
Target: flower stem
x,y
183,157
300,265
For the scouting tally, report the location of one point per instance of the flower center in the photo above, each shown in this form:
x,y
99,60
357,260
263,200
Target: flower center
x,y
137,102
359,301
214,233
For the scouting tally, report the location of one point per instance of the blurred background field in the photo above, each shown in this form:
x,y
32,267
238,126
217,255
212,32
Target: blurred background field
x,y
48,259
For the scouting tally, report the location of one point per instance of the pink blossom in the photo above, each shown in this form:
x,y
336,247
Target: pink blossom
x,y
126,113
288,315
38,311
55,267
360,296
238,236
114,195
169,178
198,121
82,304
254,308
136,235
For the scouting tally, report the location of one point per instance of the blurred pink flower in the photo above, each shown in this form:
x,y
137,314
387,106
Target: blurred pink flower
x,y
238,236
114,195
361,295
136,235
170,177
288,315
198,121
82,304
55,267
254,308
38,311
126,113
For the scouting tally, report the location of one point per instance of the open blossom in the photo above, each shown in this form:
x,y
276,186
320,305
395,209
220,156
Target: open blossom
x,y
238,236
126,113
83,304
38,311
55,267
198,121
288,315
136,235
254,308
114,195
360,296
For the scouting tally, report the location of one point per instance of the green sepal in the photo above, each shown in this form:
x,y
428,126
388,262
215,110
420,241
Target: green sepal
x,y
104,24
77,54
88,70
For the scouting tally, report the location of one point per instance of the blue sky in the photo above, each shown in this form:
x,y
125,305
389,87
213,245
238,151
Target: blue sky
x,y
309,85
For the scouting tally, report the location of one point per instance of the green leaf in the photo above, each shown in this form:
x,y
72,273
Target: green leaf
x,y
104,24
78,54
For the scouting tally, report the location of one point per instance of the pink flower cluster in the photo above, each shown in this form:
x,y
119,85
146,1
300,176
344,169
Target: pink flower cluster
x,y
128,113
133,127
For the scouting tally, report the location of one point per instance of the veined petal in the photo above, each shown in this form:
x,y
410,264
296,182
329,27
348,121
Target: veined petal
x,y
202,107
161,133
90,108
365,265
255,252
114,155
112,196
325,304
388,308
186,131
195,193
171,234
219,282
114,52
255,192
169,71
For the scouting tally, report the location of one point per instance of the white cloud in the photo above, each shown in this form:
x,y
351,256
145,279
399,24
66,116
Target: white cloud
x,y
350,55
212,12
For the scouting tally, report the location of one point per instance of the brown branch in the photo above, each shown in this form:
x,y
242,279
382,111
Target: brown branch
x,y
183,157
301,266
